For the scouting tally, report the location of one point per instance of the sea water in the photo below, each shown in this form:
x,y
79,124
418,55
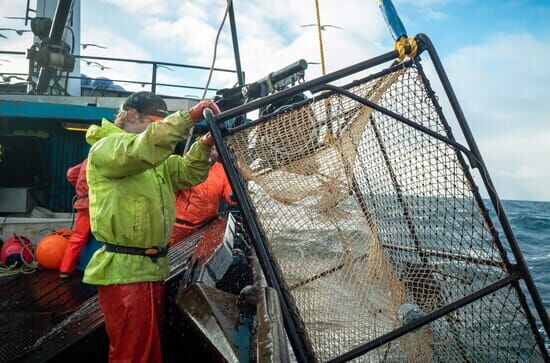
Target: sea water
x,y
530,222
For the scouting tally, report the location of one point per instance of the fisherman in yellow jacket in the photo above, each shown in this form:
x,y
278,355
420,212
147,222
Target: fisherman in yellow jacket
x,y
132,176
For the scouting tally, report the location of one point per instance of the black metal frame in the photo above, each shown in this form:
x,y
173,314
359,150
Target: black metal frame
x,y
516,272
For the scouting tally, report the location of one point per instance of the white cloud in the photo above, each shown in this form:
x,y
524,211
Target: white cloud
x,y
518,163
271,36
502,84
145,8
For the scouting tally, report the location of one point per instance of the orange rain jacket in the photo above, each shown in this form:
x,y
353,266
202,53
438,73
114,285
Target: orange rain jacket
x,y
200,203
77,177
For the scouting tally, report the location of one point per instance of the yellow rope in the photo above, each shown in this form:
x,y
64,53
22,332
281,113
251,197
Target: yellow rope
x,y
401,46
320,37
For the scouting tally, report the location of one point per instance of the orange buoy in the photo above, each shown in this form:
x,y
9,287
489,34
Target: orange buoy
x,y
50,249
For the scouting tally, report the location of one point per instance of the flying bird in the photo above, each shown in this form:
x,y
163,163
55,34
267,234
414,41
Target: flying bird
x,y
86,45
98,65
7,79
133,83
323,27
163,66
19,83
18,31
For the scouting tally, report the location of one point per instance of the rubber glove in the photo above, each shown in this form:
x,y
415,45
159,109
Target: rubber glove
x,y
196,111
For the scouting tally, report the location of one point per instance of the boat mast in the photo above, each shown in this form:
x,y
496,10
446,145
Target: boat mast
x,y
233,24
55,36
319,31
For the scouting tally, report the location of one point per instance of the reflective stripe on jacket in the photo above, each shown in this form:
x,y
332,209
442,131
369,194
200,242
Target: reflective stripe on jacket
x,y
200,203
132,179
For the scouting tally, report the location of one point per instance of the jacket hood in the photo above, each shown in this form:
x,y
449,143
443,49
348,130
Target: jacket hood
x,y
96,133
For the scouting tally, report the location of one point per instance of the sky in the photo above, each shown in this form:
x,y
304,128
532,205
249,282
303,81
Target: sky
x,y
495,53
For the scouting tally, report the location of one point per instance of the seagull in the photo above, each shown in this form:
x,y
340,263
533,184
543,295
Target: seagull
x,y
323,27
7,79
134,83
163,66
20,83
18,31
98,65
85,45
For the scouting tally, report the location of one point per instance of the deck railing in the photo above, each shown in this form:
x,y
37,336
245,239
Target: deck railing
x,y
150,81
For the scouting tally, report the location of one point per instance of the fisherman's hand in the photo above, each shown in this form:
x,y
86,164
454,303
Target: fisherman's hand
x,y
196,111
207,140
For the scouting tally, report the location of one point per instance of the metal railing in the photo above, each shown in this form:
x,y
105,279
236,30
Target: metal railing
x,y
151,81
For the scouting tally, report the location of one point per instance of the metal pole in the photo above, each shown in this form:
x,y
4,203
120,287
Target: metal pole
x,y
320,34
234,38
154,79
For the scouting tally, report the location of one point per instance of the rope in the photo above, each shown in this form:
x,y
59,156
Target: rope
x,y
401,46
26,268
320,37
188,142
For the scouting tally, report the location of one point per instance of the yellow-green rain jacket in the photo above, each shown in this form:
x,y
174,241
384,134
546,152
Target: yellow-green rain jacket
x,y
131,180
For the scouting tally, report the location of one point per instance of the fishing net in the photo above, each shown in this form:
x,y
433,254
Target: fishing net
x,y
364,215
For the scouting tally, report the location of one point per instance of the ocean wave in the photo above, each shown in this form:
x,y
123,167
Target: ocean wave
x,y
530,220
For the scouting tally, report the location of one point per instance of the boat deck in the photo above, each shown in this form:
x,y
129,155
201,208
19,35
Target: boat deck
x,y
42,316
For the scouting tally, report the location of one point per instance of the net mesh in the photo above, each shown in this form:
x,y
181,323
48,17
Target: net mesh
x,y
364,214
